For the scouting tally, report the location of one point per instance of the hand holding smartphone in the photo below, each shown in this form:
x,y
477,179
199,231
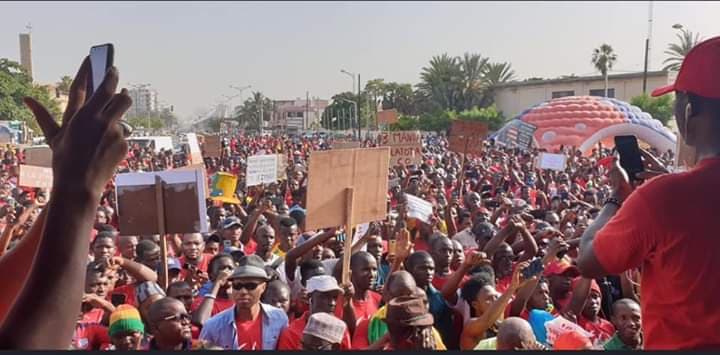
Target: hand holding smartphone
x,y
630,156
101,59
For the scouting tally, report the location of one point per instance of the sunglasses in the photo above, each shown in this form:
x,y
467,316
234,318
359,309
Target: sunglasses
x,y
178,317
250,286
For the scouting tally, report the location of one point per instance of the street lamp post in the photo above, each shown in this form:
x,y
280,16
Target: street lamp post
x,y
240,90
352,75
355,106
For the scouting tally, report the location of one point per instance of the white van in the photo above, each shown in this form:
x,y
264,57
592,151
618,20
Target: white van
x,y
157,142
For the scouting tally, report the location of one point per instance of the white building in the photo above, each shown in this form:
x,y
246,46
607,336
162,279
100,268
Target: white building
x,y
145,101
300,114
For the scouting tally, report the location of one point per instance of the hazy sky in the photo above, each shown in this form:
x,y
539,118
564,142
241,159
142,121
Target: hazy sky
x,y
190,52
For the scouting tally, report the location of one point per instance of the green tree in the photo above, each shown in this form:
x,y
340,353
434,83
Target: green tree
x,y
495,74
491,115
340,114
64,84
603,58
441,82
248,114
660,108
474,85
15,84
678,51
405,123
400,97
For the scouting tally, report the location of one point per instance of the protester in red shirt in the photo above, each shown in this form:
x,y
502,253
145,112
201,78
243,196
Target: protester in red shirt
x,y
193,256
217,300
323,292
323,332
359,302
585,304
666,225
169,323
410,325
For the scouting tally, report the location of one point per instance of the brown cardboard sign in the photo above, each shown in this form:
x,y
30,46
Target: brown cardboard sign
x,y
346,145
467,136
387,116
212,147
35,176
195,153
39,156
406,146
183,201
332,172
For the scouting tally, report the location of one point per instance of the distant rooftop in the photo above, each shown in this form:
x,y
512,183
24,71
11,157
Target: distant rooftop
x,y
570,79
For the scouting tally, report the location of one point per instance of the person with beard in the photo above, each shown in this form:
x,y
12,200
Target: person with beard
x,y
359,301
193,257
169,324
323,293
216,299
627,319
265,237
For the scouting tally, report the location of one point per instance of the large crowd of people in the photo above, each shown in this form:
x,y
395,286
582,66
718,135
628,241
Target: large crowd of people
x,y
513,257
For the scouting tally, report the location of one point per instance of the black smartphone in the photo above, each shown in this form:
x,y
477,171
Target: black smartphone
x,y
101,58
630,157
535,268
117,299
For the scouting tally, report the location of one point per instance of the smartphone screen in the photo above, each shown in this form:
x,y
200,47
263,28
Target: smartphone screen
x,y
630,157
535,268
101,58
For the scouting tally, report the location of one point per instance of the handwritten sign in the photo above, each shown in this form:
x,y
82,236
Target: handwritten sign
x,y
35,176
405,147
467,136
261,169
282,167
195,154
183,200
552,161
418,208
387,116
38,156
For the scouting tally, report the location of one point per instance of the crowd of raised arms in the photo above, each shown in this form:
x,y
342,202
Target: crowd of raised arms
x,y
513,256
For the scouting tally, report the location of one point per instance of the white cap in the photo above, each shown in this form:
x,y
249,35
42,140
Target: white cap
x,y
325,326
322,283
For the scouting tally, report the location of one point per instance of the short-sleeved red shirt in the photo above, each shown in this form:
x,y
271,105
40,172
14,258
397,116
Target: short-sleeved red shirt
x,y
290,338
439,281
249,333
363,308
219,305
601,330
202,264
669,226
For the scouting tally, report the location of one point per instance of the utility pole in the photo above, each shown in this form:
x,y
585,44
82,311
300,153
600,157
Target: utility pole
x,y
260,121
357,114
647,46
306,119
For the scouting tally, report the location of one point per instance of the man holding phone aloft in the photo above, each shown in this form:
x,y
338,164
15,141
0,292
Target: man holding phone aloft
x,y
668,225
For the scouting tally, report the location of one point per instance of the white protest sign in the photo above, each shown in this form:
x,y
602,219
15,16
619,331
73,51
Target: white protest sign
x,y
552,161
35,176
261,169
360,231
559,326
418,208
195,153
466,239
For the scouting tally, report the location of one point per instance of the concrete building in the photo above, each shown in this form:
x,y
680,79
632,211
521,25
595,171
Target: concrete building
x,y
145,101
514,97
26,53
291,116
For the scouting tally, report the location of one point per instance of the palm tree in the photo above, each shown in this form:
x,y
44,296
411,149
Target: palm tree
x,y
440,82
678,51
603,59
472,67
63,86
499,73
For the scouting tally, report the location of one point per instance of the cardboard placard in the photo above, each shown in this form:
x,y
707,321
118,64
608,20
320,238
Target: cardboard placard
x,y
387,116
195,153
332,171
360,231
38,156
552,161
212,148
467,136
466,239
183,201
346,145
261,169
419,208
203,172
405,147
282,167
35,176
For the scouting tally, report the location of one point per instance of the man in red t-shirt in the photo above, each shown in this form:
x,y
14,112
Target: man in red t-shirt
x,y
352,308
586,301
217,300
193,256
323,292
668,225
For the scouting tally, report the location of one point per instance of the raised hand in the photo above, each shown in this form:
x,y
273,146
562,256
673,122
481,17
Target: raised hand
x,y
619,181
653,166
89,143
